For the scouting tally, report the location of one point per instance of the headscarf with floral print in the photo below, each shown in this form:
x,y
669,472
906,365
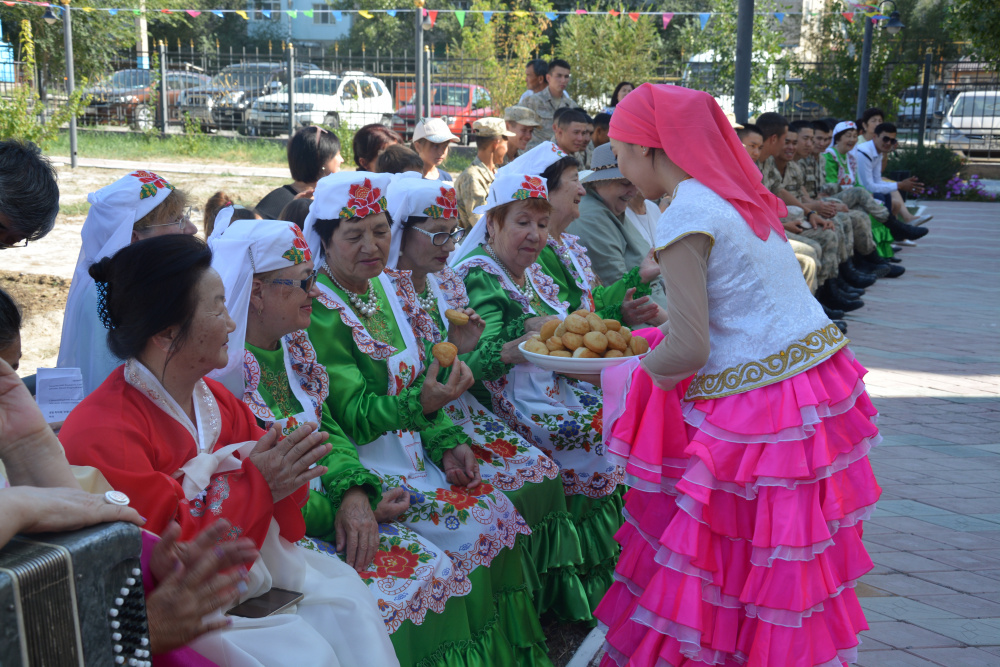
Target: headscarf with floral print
x,y
245,248
345,195
411,196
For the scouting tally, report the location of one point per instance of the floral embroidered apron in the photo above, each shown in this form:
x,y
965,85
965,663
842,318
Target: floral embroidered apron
x,y
575,259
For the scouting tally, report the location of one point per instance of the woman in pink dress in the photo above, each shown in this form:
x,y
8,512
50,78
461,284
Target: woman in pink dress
x,y
742,544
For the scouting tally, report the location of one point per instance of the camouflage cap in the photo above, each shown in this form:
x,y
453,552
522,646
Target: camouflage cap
x,y
522,115
491,127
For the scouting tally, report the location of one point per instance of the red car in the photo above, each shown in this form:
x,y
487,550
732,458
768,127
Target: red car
x,y
457,104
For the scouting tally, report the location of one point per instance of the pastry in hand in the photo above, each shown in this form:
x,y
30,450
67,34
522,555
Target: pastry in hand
x,y
536,346
639,345
456,317
445,353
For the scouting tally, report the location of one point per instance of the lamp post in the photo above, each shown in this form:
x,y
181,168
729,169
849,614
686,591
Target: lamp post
x,y
50,18
744,56
893,26
418,61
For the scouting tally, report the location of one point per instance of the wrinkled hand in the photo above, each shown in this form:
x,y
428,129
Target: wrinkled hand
x,y
434,395
191,590
510,354
357,529
170,554
394,502
466,336
534,324
793,226
637,311
59,509
20,418
461,467
285,463
649,268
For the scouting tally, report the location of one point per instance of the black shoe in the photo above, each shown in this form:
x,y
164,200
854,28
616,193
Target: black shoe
x,y
846,287
872,263
830,296
904,232
895,271
895,260
832,313
897,248
850,274
842,325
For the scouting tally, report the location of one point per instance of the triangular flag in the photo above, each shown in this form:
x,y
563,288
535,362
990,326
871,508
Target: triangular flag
x,y
8,3
460,15
667,18
367,15
487,16
292,13
217,13
550,16
581,11
112,12
780,16
520,13
136,12
193,12
849,16
634,16
703,17
432,15
338,16
87,9
614,12
242,14
308,13
166,11
266,13
390,12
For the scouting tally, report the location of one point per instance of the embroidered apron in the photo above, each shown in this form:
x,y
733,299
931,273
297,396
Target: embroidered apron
x,y
471,527
579,267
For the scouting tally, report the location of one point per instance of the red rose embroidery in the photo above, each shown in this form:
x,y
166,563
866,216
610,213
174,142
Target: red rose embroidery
x,y
150,183
531,188
484,455
448,202
458,497
394,562
483,489
503,448
364,200
597,423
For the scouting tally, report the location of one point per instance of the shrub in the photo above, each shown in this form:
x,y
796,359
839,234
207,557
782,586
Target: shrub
x,y
934,166
958,190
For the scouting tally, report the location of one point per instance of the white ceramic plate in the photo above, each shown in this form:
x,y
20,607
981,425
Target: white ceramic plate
x,y
569,365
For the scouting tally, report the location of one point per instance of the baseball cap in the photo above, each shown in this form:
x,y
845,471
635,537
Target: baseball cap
x,y
433,130
522,116
492,127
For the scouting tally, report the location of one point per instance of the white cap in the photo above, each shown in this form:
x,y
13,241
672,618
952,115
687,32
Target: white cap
x,y
433,130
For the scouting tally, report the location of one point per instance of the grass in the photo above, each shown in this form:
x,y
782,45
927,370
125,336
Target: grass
x,y
74,208
456,164
172,148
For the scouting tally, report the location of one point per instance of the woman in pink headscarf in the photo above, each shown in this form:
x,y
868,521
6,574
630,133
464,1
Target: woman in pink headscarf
x,y
743,540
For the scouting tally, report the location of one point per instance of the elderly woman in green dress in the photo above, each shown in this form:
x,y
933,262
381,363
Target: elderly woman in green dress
x,y
386,395
424,234
511,293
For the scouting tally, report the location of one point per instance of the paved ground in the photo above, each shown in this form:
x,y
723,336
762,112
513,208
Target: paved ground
x,y
931,342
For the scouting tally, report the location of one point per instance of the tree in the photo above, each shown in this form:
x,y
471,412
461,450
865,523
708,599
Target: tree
x,y
606,50
978,23
833,83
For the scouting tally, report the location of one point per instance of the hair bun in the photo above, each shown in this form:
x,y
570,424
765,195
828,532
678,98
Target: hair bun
x,y
100,270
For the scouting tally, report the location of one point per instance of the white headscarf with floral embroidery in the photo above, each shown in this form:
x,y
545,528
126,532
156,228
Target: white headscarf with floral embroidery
x,y
345,195
114,210
412,196
507,187
242,250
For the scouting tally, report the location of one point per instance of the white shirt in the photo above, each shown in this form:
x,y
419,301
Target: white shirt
x,y
645,223
869,171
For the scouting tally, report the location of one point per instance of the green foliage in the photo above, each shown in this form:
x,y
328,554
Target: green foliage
x,y
169,148
587,41
717,42
978,23
193,142
933,165
834,85
21,107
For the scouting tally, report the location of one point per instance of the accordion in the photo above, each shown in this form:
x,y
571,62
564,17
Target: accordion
x,y
73,599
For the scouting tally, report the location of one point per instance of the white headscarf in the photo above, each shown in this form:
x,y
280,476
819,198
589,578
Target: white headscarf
x,y
537,160
237,254
508,186
344,195
415,197
222,221
114,210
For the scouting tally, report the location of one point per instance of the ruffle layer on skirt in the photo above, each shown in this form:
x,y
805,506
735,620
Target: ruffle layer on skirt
x,y
742,545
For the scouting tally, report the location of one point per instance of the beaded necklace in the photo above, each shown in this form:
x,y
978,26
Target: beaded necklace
x,y
528,290
365,307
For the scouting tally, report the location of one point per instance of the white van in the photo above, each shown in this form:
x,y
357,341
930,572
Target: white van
x,y
972,122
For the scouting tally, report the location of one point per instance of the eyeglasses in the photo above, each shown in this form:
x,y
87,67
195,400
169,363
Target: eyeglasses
x,y
889,141
305,285
440,238
180,222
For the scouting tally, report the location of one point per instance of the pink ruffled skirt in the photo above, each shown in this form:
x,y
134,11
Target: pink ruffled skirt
x,y
742,542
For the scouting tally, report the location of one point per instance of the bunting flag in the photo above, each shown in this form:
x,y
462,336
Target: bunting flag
x,y
460,16
214,11
581,12
308,13
194,13
113,12
266,13
667,18
780,16
293,13
849,16
614,13
365,14
242,14
338,16
162,11
520,13
703,17
634,16
391,12
432,14
550,16
88,9
487,16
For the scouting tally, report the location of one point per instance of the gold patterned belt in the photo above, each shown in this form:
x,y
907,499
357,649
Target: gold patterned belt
x,y
801,355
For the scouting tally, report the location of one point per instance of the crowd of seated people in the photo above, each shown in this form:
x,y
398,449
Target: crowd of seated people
x,y
274,389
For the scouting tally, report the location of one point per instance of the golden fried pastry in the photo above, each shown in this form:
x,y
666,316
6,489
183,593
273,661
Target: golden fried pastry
x,y
639,345
616,341
560,330
596,323
610,354
549,329
613,325
554,344
560,353
572,341
626,333
584,353
582,313
595,341
456,317
445,353
576,324
536,346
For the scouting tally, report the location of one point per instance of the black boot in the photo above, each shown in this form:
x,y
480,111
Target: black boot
x,y
854,277
832,313
895,271
842,325
830,296
872,263
904,232
846,288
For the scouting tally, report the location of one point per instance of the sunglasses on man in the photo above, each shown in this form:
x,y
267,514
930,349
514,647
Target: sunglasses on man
x,y
889,141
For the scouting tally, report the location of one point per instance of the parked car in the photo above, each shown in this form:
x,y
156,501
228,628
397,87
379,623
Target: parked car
x,y
912,99
224,102
972,123
126,97
352,100
457,104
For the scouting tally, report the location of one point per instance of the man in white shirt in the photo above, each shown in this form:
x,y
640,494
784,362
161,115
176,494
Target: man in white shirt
x,y
869,159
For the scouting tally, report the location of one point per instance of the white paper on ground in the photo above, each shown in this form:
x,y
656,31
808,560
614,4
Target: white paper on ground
x,y
57,391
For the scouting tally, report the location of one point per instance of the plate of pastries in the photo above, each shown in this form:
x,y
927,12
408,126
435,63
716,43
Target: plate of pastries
x,y
582,343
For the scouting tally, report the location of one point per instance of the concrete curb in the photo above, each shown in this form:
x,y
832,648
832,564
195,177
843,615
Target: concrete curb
x,y
588,649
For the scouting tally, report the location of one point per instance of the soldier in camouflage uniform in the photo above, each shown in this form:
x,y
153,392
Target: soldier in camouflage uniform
x,y
547,102
473,184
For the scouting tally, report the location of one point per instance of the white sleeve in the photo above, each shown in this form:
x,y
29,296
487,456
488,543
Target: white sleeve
x,y
870,171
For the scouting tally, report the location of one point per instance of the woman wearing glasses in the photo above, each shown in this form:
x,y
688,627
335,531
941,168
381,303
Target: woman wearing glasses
x,y
424,235
138,206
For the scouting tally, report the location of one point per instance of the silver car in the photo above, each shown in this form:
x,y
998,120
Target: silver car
x,y
972,122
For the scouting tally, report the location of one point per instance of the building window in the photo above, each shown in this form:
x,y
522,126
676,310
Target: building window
x,y
272,7
321,15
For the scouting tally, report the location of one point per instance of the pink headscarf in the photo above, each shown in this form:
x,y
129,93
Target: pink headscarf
x,y
696,135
